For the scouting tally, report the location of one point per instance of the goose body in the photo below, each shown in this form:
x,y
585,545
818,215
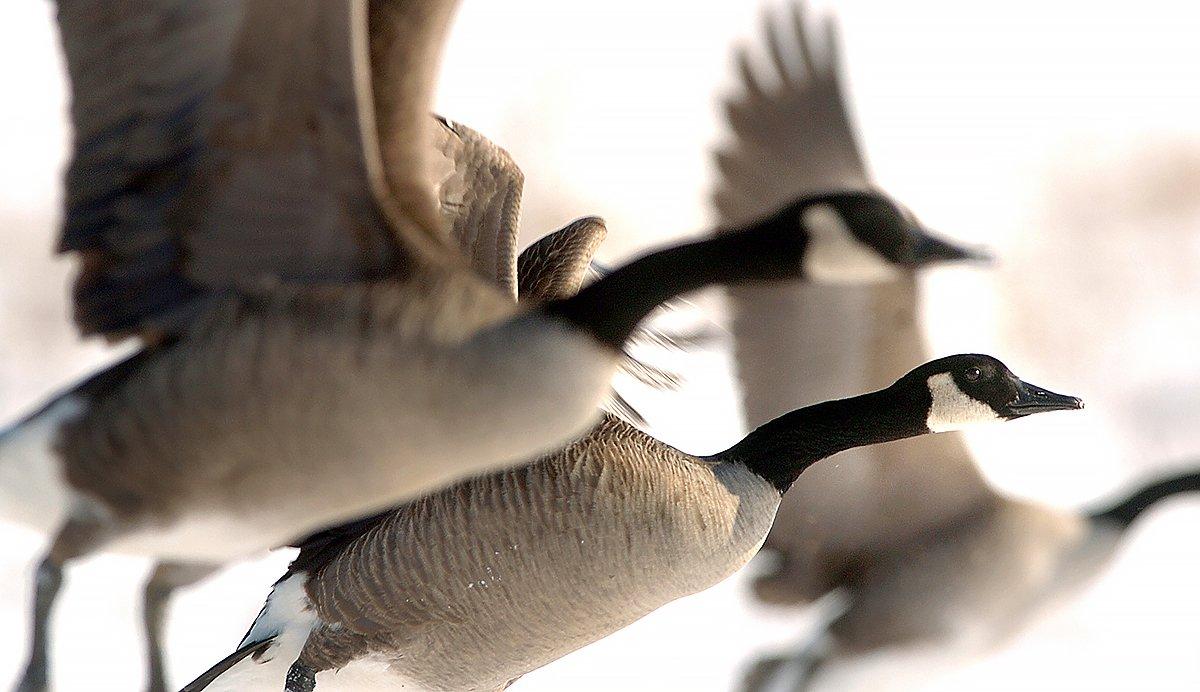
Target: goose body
x,y
505,573
878,497
114,458
474,586
967,585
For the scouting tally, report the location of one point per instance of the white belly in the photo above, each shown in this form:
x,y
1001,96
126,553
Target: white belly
x,y
32,490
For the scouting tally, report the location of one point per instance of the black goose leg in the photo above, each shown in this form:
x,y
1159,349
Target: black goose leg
x,y
76,538
166,578
766,673
795,672
47,582
300,678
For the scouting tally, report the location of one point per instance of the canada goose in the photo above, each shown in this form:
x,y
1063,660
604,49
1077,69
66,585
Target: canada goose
x,y
831,340
476,585
790,106
973,582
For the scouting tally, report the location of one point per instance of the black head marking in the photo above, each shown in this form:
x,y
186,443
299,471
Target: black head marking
x,y
893,231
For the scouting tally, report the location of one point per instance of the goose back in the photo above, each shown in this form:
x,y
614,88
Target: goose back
x,y
544,559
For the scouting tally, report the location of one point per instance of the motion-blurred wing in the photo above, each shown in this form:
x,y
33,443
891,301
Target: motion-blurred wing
x,y
479,194
228,143
791,134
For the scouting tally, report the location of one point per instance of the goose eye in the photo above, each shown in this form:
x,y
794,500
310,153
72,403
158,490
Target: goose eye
x,y
973,374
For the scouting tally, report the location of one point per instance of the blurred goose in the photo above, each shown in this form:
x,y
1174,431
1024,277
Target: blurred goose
x,y
552,267
968,584
789,106
474,586
251,194
896,529
814,341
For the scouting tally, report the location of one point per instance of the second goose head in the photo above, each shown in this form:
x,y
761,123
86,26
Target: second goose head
x,y
858,237
946,394
842,237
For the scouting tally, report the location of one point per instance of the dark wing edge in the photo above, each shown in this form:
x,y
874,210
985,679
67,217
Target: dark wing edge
x,y
137,107
210,676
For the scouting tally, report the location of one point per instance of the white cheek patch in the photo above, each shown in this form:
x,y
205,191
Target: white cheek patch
x,y
835,256
952,409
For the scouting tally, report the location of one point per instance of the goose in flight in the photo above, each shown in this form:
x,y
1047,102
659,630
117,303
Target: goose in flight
x,y
790,106
476,585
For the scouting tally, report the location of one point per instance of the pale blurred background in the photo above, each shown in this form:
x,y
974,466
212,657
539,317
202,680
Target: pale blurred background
x,y
1066,136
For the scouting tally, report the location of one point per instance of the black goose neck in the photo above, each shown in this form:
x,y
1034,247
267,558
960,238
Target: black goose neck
x,y
780,450
1125,511
611,307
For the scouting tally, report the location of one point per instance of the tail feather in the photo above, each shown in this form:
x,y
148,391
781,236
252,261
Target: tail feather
x,y
651,336
210,676
620,407
282,628
1125,511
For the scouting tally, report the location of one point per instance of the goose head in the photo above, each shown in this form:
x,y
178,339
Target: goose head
x,y
963,390
946,394
863,237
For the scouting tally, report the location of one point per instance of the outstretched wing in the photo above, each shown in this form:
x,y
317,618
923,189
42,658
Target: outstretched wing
x,y
227,143
479,193
791,133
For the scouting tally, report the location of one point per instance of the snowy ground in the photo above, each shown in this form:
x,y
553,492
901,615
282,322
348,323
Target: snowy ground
x,y
1064,135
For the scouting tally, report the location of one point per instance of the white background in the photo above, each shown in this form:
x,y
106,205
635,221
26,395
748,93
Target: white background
x,y
1064,135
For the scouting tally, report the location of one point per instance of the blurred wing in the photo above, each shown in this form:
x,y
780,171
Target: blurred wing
x,y
555,266
479,194
219,144
791,133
